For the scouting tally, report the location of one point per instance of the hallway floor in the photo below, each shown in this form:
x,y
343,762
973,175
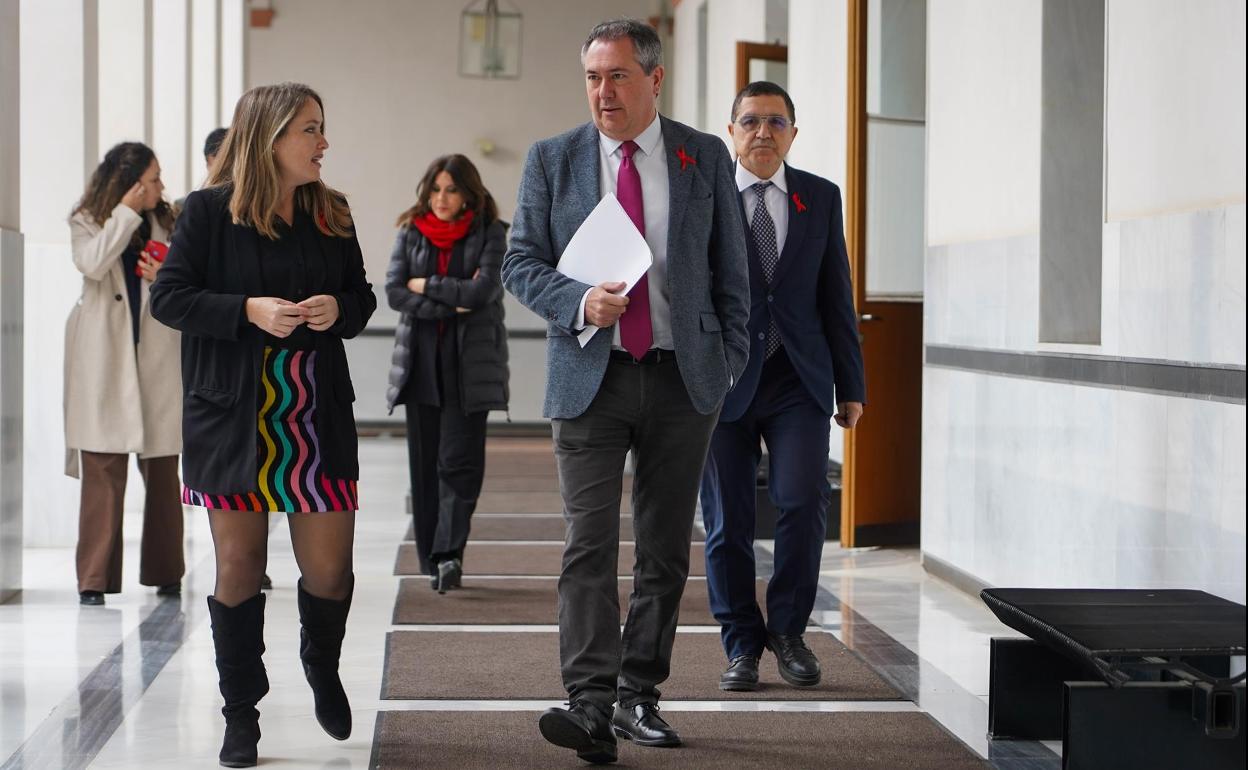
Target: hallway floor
x,y
133,685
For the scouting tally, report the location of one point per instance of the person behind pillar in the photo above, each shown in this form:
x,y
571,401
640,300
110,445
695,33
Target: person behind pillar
x,y
265,280
805,366
449,366
212,143
651,380
121,378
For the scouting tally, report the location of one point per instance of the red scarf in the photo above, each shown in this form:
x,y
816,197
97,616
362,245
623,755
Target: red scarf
x,y
443,235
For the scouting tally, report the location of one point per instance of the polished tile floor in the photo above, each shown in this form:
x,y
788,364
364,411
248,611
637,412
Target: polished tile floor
x,y
133,685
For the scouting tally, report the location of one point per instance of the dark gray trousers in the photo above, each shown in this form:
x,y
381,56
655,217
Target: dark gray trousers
x,y
645,408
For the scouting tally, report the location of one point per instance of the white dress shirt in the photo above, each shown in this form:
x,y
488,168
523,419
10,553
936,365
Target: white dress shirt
x,y
777,200
650,159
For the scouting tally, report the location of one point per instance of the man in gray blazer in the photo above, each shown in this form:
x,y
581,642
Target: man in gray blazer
x,y
652,380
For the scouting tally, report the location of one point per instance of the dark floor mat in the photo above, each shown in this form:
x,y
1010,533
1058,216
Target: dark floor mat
x,y
529,559
713,741
527,526
447,665
507,601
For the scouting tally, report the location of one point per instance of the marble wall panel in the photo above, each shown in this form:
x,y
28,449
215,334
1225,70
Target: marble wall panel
x,y
11,424
1035,483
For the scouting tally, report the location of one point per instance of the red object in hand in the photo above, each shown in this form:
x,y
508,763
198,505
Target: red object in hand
x,y
155,250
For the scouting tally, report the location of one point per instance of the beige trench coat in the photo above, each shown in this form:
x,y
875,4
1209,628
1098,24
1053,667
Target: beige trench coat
x,y
116,400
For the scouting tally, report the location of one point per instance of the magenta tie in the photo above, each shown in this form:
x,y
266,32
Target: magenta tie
x,y
635,333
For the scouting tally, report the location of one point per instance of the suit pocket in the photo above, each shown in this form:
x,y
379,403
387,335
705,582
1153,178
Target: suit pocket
x,y
222,399
710,323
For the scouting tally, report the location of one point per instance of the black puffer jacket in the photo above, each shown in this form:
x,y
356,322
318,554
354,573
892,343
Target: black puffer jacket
x,y
481,336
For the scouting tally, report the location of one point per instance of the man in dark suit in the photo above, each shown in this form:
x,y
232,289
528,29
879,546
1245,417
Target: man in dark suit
x,y
805,365
651,380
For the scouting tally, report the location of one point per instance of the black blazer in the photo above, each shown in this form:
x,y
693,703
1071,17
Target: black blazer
x,y
211,270
812,301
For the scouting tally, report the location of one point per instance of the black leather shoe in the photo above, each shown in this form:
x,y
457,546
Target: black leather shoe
x,y
797,664
450,575
583,728
741,674
91,598
173,589
643,726
266,582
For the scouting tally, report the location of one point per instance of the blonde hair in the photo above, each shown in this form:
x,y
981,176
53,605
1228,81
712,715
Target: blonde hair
x,y
246,162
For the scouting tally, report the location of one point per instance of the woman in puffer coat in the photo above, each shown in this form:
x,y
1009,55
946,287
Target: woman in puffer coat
x,y
449,367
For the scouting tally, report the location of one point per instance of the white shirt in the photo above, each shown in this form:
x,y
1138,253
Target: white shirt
x,y
650,159
777,200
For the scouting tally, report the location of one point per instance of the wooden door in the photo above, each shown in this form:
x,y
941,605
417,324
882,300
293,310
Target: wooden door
x,y
880,477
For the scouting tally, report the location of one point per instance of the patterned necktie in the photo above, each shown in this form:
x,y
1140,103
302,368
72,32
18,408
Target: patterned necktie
x,y
635,331
763,228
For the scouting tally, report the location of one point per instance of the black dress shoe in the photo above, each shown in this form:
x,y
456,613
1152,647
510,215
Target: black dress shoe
x,y
450,575
741,674
797,664
581,727
266,582
173,589
91,598
643,726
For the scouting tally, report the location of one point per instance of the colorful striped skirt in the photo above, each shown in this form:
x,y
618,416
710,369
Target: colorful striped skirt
x,y
288,450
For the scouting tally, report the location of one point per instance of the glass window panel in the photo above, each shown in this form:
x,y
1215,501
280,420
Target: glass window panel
x,y
895,183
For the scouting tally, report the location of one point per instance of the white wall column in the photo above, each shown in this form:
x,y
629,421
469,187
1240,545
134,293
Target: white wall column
x,y
233,52
10,307
123,73
171,137
818,83
59,124
205,69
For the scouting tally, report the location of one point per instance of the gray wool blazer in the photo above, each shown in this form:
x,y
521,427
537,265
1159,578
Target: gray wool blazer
x,y
708,278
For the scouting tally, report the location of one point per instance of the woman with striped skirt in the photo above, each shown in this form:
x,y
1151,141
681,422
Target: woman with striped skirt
x,y
265,279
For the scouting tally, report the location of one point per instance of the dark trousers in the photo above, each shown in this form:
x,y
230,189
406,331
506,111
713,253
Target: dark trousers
x,y
644,408
161,561
446,460
784,415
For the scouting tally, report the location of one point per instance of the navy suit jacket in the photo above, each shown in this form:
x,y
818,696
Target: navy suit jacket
x,y
811,299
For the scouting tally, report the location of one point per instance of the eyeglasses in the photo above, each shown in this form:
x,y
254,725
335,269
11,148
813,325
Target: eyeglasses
x,y
754,122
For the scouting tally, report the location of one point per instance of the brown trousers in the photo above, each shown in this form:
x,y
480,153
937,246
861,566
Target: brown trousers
x,y
100,543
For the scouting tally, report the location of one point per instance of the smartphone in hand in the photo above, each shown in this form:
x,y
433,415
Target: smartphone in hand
x,y
156,250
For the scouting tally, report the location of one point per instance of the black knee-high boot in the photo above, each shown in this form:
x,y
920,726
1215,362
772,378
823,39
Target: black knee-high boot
x,y
238,635
320,645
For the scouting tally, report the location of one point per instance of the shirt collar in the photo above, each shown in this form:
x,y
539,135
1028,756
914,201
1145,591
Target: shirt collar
x,y
745,178
647,141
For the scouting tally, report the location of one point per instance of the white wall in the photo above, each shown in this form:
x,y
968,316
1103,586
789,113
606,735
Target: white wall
x,y
818,83
1175,122
73,106
387,71
1040,483
11,310
122,73
59,140
728,22
983,61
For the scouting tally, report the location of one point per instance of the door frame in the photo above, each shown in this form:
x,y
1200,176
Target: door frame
x,y
748,51
855,220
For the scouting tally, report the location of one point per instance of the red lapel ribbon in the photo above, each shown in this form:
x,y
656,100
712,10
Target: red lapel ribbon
x,y
797,201
685,158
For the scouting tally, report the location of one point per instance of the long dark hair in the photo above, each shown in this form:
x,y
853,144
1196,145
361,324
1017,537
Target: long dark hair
x,y
466,178
120,170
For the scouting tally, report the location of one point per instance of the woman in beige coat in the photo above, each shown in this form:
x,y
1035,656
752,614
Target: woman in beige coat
x,y
123,391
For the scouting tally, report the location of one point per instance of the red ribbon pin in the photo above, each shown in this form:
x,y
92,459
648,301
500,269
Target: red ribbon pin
x,y
797,201
685,158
